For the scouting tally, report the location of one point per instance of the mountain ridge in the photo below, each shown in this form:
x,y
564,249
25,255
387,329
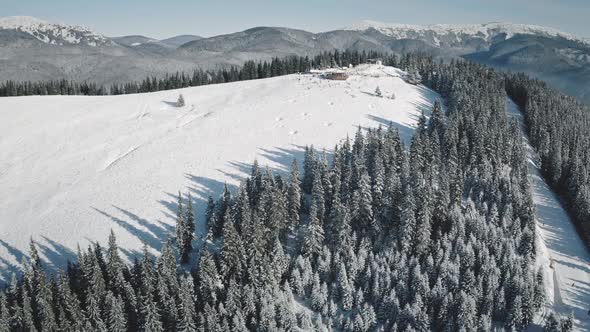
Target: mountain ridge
x,y
33,49
53,33
488,30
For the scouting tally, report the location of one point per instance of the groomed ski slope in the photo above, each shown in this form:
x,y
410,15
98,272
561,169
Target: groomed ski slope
x,y
561,253
74,167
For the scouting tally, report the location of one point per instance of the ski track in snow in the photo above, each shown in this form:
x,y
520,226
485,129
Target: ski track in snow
x,y
74,167
561,253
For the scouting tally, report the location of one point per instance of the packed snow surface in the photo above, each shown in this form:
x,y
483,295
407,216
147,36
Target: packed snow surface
x,y
486,31
74,167
562,254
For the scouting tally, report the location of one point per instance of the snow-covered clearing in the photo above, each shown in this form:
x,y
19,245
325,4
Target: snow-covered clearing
x,y
74,167
562,254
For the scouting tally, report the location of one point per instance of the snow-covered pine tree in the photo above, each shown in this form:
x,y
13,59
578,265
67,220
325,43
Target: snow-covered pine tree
x,y
187,319
294,196
312,237
181,226
209,277
233,255
180,101
4,315
117,322
378,92
551,323
187,231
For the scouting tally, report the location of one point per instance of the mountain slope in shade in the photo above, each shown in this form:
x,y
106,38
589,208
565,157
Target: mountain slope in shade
x,y
259,39
563,63
177,41
73,168
134,40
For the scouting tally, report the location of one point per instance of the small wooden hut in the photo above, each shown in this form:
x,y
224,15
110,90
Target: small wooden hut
x,y
338,76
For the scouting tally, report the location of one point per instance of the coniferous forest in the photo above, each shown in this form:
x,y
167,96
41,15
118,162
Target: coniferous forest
x,y
248,71
372,236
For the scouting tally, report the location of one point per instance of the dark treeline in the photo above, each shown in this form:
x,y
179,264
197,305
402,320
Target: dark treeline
x,y
378,238
559,129
250,70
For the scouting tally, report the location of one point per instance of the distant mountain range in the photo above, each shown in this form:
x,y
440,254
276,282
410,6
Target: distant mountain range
x,y
32,49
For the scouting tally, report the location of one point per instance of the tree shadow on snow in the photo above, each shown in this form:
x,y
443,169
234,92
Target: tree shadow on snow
x,y
405,132
154,233
151,234
7,269
169,103
54,257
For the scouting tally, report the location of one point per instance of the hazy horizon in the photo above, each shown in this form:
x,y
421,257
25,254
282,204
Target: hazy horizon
x,y
164,20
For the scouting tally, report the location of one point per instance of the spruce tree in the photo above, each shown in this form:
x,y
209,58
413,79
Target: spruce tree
x,y
233,254
181,229
313,236
4,315
294,196
187,321
180,101
117,322
187,231
378,92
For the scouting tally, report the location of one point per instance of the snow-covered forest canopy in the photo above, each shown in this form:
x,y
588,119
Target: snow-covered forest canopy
x,y
375,236
559,128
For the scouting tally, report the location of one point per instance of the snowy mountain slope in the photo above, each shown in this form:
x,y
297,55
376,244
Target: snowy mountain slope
x,y
177,41
134,40
172,42
562,254
459,32
72,168
53,33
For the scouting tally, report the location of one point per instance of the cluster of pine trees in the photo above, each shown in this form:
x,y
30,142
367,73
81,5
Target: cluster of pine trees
x,y
375,238
559,129
249,71
58,87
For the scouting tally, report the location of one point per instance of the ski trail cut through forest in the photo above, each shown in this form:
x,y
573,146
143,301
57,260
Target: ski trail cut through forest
x,y
560,251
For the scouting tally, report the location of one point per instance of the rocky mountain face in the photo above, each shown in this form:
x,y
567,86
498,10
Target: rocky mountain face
x,y
451,35
52,33
32,49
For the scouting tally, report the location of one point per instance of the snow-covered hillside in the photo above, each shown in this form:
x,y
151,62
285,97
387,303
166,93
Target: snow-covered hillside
x,y
72,168
562,254
458,31
52,33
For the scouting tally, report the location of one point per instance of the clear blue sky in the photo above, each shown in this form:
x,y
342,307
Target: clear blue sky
x,y
160,19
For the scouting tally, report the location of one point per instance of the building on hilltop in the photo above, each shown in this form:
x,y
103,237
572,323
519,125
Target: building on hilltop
x,y
337,75
376,61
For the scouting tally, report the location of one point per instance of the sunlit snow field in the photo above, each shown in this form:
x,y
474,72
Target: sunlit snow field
x,y
74,167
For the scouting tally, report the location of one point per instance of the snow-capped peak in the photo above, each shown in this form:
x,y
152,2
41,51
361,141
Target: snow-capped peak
x,y
15,22
486,31
53,33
